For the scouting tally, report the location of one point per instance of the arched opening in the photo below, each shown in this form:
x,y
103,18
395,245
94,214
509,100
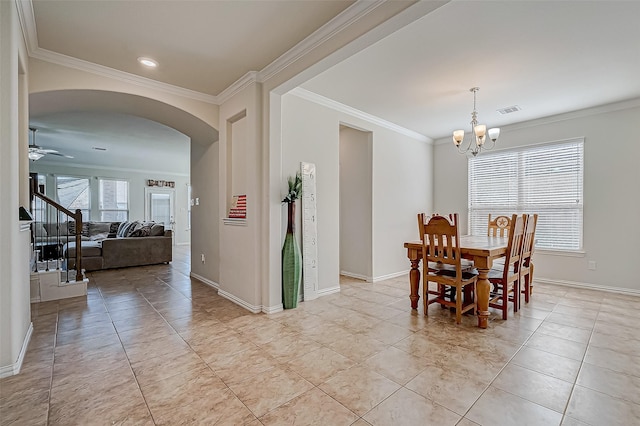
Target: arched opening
x,y
201,152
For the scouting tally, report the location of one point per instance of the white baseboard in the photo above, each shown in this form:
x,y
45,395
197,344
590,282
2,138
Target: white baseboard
x,y
328,291
183,244
272,309
389,276
575,284
13,369
356,276
205,280
253,308
35,299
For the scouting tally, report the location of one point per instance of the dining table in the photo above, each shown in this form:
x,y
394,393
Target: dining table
x,y
483,250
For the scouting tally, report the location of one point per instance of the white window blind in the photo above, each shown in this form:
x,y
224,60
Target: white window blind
x,y
544,179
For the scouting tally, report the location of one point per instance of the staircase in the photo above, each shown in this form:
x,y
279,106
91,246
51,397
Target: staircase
x,y
50,277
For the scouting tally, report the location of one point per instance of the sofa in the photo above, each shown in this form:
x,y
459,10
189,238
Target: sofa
x,y
107,245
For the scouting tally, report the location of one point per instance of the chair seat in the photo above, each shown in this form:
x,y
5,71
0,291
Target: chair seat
x,y
496,273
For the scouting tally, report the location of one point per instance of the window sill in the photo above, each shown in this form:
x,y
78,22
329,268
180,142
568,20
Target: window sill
x,y
565,253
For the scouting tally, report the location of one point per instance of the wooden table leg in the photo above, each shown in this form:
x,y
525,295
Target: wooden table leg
x,y
483,290
414,280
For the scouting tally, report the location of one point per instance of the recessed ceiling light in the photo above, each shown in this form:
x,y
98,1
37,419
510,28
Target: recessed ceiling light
x,y
147,62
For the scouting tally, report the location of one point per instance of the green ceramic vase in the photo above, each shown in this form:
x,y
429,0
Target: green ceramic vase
x,y
291,263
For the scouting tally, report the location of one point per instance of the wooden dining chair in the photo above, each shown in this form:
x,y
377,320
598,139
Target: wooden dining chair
x,y
442,264
499,226
526,270
506,280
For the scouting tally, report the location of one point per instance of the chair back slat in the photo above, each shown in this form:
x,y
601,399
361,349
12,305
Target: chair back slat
x,y
512,262
529,239
499,226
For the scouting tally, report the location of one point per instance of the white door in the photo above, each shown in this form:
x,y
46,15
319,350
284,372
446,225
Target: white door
x,y
159,206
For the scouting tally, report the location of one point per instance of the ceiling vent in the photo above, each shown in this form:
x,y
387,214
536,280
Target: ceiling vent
x,y
509,110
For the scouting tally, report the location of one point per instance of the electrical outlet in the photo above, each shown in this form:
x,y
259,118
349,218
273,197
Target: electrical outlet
x,y
592,265
197,201
202,257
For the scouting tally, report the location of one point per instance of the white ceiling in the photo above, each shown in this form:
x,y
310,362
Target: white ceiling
x,y
131,143
547,57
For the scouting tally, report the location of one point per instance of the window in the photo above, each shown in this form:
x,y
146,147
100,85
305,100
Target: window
x,y
113,200
74,193
544,179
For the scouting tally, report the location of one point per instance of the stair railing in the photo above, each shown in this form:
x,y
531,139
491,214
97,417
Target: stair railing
x,y
47,217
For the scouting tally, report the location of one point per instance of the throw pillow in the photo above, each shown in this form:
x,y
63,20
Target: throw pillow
x,y
157,230
141,231
113,228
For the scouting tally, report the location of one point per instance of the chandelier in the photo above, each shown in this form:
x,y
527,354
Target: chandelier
x,y
478,133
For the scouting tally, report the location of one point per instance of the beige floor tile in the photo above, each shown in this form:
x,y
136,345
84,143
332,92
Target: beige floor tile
x,y
290,346
270,389
181,389
574,334
616,361
497,407
571,320
536,387
219,407
547,363
388,333
243,365
358,348
408,408
614,384
595,408
615,343
162,367
359,389
320,365
162,345
558,346
22,409
313,407
450,388
114,406
146,333
396,365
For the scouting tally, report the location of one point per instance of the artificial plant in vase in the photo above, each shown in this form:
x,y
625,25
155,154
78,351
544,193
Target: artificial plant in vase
x,y
291,258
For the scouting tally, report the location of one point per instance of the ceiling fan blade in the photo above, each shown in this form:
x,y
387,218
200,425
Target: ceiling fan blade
x,y
48,151
59,155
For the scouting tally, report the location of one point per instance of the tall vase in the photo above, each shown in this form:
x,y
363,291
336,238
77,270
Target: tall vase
x,y
291,262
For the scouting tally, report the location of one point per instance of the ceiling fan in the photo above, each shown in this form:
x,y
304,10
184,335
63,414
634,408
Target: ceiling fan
x,y
37,152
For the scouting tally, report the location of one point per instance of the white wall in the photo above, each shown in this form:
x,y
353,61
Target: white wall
x,y
611,200
356,194
15,321
240,133
401,184
137,184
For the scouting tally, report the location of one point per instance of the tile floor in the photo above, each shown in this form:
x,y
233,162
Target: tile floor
x,y
151,346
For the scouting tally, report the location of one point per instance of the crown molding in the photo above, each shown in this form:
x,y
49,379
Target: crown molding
x,y
27,24
239,85
350,15
82,65
330,103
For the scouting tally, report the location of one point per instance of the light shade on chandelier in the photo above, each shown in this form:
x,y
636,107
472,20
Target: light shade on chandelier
x,y
478,133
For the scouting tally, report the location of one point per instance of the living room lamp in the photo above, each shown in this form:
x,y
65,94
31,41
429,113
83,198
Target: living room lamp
x,y
478,131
